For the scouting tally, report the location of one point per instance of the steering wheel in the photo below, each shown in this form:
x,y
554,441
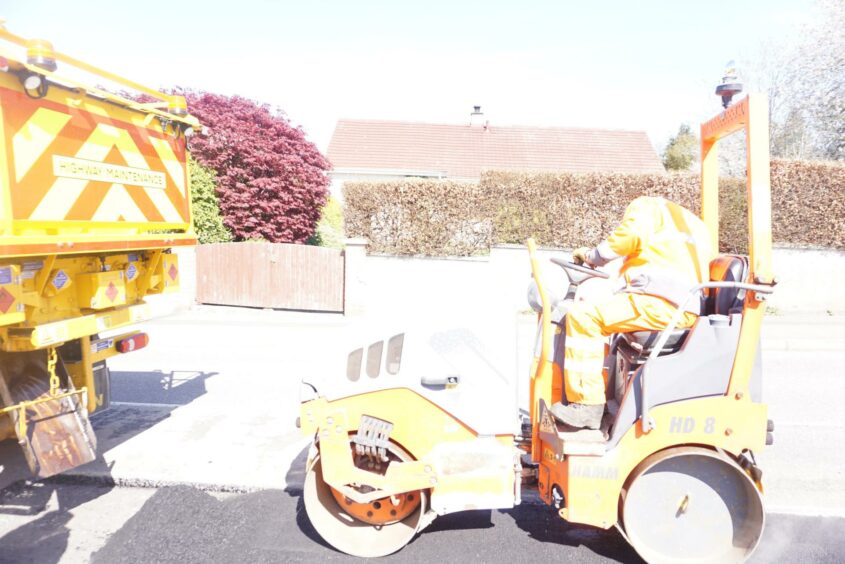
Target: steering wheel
x,y
578,273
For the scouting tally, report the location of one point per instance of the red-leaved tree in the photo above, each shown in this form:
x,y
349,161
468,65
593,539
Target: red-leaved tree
x,y
272,181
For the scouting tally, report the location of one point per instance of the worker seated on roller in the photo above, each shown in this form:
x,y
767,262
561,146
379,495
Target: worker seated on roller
x,y
666,251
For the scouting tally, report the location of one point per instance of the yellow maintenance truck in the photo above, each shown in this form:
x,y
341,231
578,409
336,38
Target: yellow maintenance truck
x,y
94,194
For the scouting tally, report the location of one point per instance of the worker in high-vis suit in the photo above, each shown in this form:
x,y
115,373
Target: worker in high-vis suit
x,y
666,251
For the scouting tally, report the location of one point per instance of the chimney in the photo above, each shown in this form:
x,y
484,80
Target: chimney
x,y
476,117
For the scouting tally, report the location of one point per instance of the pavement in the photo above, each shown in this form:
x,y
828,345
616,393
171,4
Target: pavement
x,y
184,525
211,405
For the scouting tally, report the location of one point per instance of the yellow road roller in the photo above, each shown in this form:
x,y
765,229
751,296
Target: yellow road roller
x,y
672,466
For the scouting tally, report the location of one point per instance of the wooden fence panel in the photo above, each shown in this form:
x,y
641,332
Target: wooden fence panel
x,y
271,275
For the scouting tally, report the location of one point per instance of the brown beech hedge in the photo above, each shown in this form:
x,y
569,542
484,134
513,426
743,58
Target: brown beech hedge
x,y
443,218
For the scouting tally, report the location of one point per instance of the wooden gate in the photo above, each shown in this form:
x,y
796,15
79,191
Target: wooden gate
x,y
271,275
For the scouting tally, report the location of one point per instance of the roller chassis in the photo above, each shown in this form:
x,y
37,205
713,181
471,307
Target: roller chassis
x,y
576,475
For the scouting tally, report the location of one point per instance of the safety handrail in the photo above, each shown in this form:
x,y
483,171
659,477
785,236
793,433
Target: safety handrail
x,y
540,384
545,345
646,422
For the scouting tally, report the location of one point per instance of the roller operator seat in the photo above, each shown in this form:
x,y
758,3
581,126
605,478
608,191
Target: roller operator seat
x,y
719,301
724,301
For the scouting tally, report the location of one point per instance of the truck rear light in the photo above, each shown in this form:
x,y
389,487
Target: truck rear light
x,y
4,64
133,343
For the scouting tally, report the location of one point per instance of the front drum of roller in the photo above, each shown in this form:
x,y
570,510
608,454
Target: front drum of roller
x,y
378,528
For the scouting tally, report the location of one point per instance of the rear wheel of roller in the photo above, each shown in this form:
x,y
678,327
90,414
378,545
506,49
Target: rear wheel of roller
x,y
378,528
690,504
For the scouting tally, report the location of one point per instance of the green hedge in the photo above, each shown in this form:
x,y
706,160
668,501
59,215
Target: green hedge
x,y
329,232
208,223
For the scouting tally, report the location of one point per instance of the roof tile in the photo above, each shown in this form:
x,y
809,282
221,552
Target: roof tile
x,y
463,151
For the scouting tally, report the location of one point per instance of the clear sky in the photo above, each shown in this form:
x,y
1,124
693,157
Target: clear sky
x,y
643,65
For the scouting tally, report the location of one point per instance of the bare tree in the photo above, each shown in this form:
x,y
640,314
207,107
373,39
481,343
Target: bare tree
x,y
820,80
805,81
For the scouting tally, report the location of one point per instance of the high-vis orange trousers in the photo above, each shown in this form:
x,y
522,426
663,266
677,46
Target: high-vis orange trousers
x,y
588,324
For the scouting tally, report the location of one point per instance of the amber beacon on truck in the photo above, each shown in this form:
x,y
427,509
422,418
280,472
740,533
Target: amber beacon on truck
x,y
94,194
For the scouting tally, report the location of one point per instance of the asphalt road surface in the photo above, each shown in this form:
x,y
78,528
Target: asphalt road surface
x,y
184,525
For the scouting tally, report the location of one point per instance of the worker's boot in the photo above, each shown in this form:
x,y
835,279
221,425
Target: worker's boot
x,y
579,415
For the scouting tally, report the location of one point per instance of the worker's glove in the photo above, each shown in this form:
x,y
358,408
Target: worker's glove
x,y
579,255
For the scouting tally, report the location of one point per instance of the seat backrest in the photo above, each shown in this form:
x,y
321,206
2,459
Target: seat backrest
x,y
726,268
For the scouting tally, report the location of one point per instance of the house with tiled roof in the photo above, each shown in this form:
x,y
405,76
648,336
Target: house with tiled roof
x,y
388,150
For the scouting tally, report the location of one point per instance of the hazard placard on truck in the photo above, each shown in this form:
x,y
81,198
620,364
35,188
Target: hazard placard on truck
x,y
94,194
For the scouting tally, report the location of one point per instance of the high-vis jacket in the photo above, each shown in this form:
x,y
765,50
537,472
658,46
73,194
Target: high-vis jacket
x,y
666,248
